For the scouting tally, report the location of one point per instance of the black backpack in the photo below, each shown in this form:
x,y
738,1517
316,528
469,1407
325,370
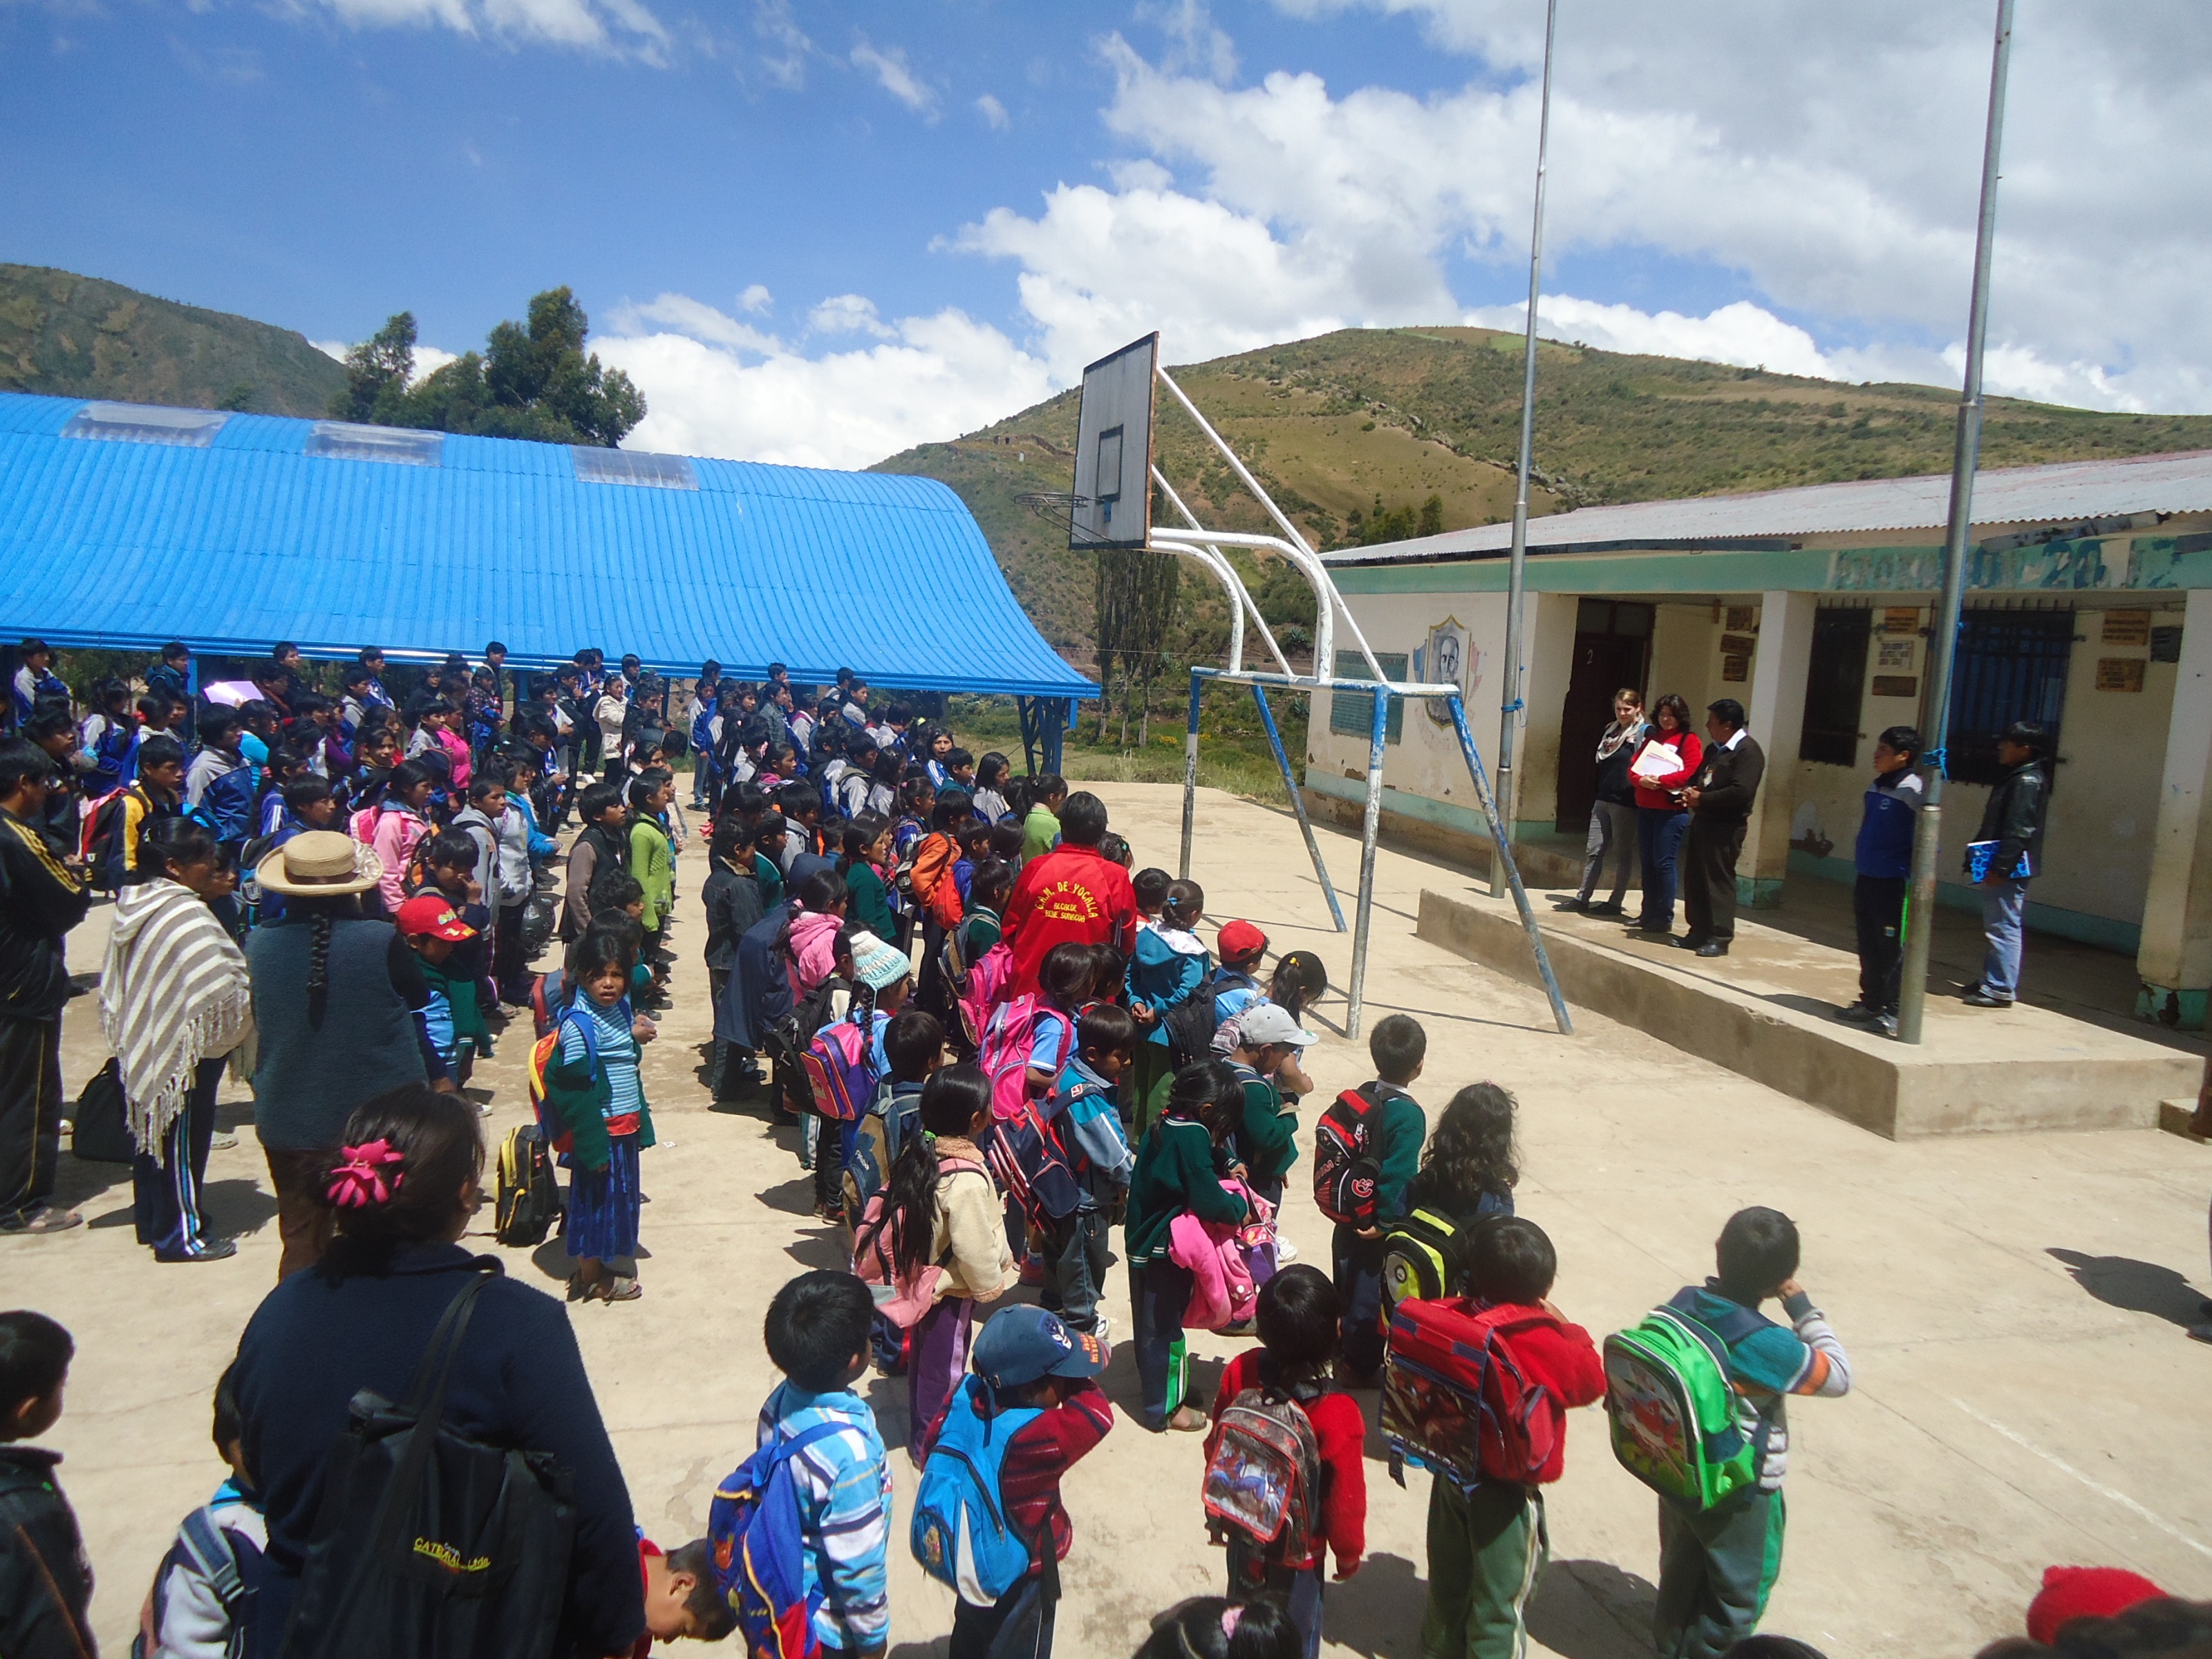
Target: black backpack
x,y
426,1543
99,1128
1190,1026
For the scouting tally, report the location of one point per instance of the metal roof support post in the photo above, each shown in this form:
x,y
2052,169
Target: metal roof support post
x,y
1920,898
1517,572
1298,805
1061,713
1190,775
1370,824
1506,861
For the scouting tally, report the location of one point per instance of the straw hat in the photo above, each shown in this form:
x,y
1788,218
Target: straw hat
x,y
320,863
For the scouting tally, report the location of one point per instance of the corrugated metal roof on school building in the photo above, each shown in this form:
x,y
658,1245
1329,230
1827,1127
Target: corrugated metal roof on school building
x,y
2062,491
243,538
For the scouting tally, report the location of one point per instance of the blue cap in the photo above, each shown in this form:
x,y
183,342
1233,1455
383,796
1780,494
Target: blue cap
x,y
1020,1344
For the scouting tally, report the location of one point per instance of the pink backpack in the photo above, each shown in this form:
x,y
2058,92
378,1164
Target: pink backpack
x,y
1219,1256
1008,1041
982,987
872,1256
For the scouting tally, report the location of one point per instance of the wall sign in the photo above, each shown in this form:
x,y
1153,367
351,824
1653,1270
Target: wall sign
x,y
2127,627
2119,674
2166,645
1900,619
1735,668
1897,685
1895,654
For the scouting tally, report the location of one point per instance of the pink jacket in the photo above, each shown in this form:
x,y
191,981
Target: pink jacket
x,y
814,947
397,835
457,749
1218,1257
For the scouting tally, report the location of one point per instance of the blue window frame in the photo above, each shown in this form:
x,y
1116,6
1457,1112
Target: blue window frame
x,y
2011,665
1351,713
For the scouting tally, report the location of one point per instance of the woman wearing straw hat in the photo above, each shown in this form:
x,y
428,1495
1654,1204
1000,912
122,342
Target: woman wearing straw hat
x,y
174,1006
332,995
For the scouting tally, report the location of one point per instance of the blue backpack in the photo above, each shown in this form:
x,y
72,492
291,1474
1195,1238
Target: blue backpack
x,y
226,805
759,1551
962,1535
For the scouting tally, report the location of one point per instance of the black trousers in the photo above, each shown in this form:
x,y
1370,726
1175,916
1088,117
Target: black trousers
x,y
1709,856
1878,906
30,1113
165,1185
507,965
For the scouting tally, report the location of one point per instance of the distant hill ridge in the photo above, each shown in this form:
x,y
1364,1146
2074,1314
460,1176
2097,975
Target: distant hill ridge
x,y
78,337
1330,423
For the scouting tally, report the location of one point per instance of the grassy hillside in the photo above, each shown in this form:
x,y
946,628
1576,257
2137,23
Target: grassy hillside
x,y
78,337
1329,424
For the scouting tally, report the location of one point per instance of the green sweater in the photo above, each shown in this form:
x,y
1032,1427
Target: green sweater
x,y
869,902
1040,830
576,1097
1399,1128
1266,1139
1178,1168
654,865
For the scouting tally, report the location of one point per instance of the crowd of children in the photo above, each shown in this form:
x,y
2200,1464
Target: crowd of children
x,y
1002,1046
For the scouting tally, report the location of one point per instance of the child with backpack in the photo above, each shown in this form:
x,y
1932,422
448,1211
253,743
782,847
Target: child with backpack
x,y
1236,984
1285,1479
1487,1541
201,1604
1266,1142
451,1021
988,1522
913,1047
732,895
1179,1168
802,1529
45,1577
1366,1149
1167,967
1467,1175
845,1062
594,1092
942,1211
1720,1547
681,1596
1081,1108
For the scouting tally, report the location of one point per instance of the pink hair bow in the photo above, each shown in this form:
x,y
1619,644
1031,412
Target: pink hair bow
x,y
358,1182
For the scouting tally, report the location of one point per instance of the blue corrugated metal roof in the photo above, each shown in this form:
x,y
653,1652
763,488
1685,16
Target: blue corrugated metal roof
x,y
249,540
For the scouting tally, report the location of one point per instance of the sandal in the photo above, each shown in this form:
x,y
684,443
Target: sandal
x,y
579,1288
1188,1420
621,1288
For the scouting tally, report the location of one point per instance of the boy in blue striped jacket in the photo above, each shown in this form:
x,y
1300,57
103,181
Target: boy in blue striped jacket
x,y
817,1335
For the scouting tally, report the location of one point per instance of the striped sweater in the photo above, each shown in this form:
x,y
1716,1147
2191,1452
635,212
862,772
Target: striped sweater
x,y
1770,1363
844,1484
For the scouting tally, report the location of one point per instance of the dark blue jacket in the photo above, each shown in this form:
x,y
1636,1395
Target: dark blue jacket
x,y
323,1335
1893,807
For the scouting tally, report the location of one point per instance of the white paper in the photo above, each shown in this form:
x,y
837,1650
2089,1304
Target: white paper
x,y
1657,760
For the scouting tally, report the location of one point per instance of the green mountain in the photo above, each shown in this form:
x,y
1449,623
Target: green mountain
x,y
77,336
1331,424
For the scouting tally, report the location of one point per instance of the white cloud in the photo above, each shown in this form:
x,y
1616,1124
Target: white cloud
x,y
848,314
1826,162
756,299
1741,333
896,76
785,61
717,388
616,28
994,113
428,359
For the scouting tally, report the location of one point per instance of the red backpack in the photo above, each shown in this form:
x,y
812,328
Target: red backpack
x,y
1345,1168
1454,1399
838,1074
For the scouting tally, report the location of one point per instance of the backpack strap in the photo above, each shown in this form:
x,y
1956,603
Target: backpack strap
x,y
211,1554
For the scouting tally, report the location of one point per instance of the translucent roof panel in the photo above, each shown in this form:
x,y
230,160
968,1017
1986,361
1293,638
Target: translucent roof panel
x,y
147,423
624,467
344,440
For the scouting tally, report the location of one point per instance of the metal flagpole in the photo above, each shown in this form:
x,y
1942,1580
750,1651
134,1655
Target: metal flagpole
x,y
1920,905
1356,991
1509,781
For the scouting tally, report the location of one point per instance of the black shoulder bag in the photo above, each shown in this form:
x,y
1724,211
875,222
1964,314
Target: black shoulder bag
x,y
427,1544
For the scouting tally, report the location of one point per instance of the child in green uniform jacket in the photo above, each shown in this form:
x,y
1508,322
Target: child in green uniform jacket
x,y
593,1094
1179,1168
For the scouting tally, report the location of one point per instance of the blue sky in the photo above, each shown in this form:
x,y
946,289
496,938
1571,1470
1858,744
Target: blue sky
x,y
986,193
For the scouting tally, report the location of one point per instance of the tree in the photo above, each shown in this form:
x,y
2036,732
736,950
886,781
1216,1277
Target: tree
x,y
1136,604
530,381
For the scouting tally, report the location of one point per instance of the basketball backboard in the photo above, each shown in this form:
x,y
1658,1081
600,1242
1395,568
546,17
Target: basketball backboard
x,y
1112,505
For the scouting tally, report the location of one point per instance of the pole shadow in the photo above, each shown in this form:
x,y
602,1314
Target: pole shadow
x,y
2120,1281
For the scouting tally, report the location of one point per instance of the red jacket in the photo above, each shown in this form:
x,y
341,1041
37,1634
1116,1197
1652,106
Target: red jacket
x,y
1070,895
1564,1359
1693,752
1341,1428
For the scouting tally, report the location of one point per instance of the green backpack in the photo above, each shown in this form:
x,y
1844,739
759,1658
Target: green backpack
x,y
1673,1410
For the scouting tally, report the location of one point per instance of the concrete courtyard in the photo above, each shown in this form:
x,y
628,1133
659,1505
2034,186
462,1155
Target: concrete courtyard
x,y
2014,1306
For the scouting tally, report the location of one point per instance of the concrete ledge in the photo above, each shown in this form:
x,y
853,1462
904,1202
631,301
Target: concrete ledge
x,y
2026,1068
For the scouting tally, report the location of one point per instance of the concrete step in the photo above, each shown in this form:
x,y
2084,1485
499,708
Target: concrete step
x,y
1767,1010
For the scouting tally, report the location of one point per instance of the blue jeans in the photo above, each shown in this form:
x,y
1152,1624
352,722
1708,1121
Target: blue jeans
x,y
2004,905
1659,831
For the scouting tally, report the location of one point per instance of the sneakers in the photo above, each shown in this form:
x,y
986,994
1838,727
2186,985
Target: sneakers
x,y
1981,998
1887,1024
1859,1013
1285,1250
215,1249
1606,908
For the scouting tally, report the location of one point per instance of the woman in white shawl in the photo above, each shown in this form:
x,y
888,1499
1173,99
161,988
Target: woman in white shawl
x,y
175,1001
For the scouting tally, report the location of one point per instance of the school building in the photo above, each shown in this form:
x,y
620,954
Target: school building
x,y
2088,606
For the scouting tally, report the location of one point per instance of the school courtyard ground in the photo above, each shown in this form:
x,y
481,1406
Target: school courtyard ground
x,y
2014,1306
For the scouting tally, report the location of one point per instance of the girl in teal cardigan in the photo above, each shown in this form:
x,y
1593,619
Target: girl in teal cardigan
x,y
867,885
595,1096
1180,1167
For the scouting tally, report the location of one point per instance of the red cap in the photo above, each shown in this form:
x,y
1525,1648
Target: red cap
x,y
427,913
1240,939
2070,1593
